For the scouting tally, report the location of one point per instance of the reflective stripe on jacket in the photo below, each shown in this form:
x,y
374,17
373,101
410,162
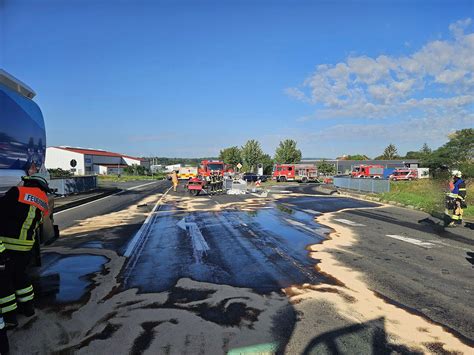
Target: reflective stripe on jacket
x,y
21,213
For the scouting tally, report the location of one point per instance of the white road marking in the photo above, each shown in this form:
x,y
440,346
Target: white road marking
x,y
103,198
312,212
412,241
138,186
200,245
305,227
141,232
439,242
350,223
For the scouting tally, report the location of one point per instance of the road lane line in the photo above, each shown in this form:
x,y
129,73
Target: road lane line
x,y
142,185
438,242
312,212
348,222
199,243
141,232
412,241
103,198
303,226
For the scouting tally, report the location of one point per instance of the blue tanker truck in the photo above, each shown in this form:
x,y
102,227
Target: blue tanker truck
x,y
22,143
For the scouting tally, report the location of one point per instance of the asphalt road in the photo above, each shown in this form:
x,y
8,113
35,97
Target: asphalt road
x,y
206,274
263,249
131,193
408,259
413,263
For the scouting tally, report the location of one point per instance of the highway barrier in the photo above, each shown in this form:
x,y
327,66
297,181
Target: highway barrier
x,y
366,185
74,185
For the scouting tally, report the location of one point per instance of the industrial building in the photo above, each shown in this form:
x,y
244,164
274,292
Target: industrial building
x,y
82,161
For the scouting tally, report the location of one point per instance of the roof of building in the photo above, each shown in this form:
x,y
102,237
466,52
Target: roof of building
x,y
97,152
112,165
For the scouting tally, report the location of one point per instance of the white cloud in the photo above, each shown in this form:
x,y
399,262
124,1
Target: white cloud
x,y
439,77
458,27
411,99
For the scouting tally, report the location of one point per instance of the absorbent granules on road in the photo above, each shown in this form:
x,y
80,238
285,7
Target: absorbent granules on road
x,y
350,307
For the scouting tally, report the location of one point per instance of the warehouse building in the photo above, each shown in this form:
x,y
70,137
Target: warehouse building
x,y
81,161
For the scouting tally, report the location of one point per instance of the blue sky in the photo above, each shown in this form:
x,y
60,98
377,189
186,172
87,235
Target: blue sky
x,y
188,78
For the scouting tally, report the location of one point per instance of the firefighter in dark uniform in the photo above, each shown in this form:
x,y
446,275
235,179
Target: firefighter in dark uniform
x,y
4,346
22,210
456,200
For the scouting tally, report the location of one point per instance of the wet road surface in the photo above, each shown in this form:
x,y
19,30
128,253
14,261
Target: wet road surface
x,y
264,250
207,274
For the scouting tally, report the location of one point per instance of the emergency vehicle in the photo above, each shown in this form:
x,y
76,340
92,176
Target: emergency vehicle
x,y
404,174
367,171
211,167
187,172
295,172
210,178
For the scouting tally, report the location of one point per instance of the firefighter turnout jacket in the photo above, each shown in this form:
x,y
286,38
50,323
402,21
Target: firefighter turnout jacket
x,y
21,212
459,189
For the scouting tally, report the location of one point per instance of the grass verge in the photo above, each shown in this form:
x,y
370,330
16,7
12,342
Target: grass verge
x,y
427,194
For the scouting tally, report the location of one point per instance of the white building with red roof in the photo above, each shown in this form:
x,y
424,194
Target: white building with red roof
x,y
85,161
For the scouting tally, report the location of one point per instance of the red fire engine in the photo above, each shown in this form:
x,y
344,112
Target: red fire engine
x,y
295,172
211,167
210,178
367,171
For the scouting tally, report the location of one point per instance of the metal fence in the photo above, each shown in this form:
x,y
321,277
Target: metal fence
x,y
367,185
74,185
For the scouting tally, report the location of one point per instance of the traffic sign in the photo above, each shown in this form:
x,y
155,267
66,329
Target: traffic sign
x,y
239,166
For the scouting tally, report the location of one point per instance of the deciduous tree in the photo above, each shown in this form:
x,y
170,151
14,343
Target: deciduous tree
x,y
231,156
251,154
287,153
326,168
457,153
389,153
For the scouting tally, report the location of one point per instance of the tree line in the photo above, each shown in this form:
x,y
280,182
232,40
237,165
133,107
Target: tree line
x,y
251,154
457,153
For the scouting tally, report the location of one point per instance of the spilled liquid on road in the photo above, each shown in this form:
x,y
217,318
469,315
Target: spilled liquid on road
x,y
73,272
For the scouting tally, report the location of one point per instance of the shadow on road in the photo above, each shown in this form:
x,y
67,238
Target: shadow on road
x,y
368,338
470,257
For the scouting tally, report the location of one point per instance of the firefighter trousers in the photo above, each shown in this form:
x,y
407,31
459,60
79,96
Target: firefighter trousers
x,y
16,285
4,345
453,212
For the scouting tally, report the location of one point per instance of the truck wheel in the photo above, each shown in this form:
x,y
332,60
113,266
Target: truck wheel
x,y
282,178
304,180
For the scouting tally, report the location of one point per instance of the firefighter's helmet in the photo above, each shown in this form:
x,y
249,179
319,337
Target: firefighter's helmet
x,y
38,180
457,173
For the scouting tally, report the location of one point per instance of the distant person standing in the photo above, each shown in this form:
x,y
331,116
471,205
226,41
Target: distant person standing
x,y
456,200
174,179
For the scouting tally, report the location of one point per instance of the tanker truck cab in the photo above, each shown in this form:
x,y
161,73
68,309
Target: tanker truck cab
x,y
23,144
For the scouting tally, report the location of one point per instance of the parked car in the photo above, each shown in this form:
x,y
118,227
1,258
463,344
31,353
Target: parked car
x,y
252,177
